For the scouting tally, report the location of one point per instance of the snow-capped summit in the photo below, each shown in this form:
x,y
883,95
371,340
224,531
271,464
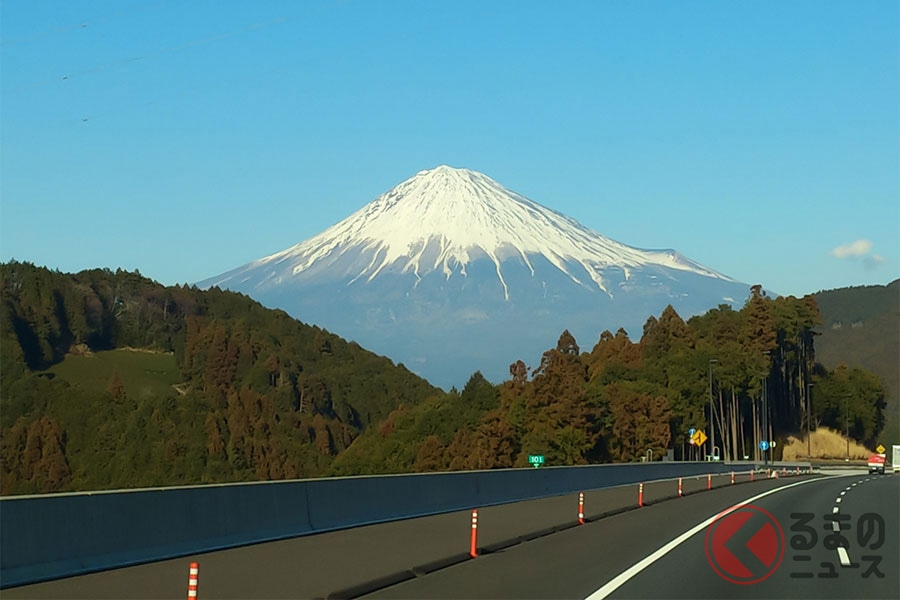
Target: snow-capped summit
x,y
451,272
443,218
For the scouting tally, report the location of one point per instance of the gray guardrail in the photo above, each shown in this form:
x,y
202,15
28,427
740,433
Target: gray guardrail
x,y
61,535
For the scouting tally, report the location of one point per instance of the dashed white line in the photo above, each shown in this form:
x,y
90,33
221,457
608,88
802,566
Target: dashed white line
x,y
835,510
835,526
845,558
838,500
620,579
844,492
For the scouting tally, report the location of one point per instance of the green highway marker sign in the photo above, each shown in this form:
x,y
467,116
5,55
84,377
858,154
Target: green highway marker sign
x,y
536,459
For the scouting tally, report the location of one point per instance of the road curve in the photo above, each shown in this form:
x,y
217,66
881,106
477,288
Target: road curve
x,y
579,562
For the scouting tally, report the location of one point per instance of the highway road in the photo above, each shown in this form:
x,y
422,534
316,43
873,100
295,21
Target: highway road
x,y
663,550
777,547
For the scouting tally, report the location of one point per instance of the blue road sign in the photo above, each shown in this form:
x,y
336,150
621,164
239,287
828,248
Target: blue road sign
x,y
764,445
692,431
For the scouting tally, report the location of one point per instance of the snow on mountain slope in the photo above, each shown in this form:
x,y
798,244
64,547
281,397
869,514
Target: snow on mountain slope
x,y
450,272
443,218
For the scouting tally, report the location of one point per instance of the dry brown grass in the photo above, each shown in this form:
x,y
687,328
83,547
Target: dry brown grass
x,y
825,444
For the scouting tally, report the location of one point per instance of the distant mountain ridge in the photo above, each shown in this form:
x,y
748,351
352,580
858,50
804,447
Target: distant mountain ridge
x,y
450,272
861,327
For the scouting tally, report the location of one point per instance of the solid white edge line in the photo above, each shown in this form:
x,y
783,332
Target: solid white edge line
x,y
620,579
845,558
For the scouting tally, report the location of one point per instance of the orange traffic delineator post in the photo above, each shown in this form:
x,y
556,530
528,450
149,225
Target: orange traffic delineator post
x,y
641,495
751,473
709,482
473,546
732,478
581,508
192,581
679,488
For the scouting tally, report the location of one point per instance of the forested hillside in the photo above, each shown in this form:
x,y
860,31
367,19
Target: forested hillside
x,y
110,380
624,400
861,328
248,393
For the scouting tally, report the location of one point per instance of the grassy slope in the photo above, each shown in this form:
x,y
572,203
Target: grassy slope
x,y
144,374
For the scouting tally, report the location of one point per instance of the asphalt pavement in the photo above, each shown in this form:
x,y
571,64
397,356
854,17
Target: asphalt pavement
x,y
533,549
691,548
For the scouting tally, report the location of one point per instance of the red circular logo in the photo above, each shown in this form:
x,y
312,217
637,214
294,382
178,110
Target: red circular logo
x,y
745,545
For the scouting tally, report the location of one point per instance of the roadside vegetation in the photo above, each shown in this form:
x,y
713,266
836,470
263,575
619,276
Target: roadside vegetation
x,y
824,444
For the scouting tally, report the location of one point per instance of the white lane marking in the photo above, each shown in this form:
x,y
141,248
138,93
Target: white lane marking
x,y
620,579
854,484
835,510
835,526
845,558
844,492
838,500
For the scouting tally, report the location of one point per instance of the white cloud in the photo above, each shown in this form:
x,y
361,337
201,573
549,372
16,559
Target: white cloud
x,y
853,249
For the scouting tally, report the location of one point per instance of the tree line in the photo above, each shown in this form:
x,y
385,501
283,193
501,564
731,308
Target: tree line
x,y
750,372
262,396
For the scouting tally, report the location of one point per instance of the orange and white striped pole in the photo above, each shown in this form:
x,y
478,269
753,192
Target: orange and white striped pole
x,y
473,545
641,495
192,581
680,494
709,482
732,478
581,508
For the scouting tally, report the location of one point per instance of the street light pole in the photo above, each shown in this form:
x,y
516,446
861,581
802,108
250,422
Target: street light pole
x,y
847,423
808,419
765,407
765,418
712,421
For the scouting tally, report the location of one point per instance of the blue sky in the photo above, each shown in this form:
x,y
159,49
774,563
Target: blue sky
x,y
186,138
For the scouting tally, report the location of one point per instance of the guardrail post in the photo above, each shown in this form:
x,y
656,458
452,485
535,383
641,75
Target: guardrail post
x,y
679,488
581,508
641,494
473,545
193,576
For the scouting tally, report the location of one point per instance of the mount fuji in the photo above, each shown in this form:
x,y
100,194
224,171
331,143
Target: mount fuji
x,y
450,272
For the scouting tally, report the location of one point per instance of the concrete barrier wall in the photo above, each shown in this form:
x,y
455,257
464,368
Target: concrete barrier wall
x,y
60,535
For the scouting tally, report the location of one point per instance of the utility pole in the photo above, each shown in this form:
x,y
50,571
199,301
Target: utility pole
x,y
712,420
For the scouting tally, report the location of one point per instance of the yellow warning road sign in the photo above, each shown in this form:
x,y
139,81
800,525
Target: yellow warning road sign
x,y
699,437
880,449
